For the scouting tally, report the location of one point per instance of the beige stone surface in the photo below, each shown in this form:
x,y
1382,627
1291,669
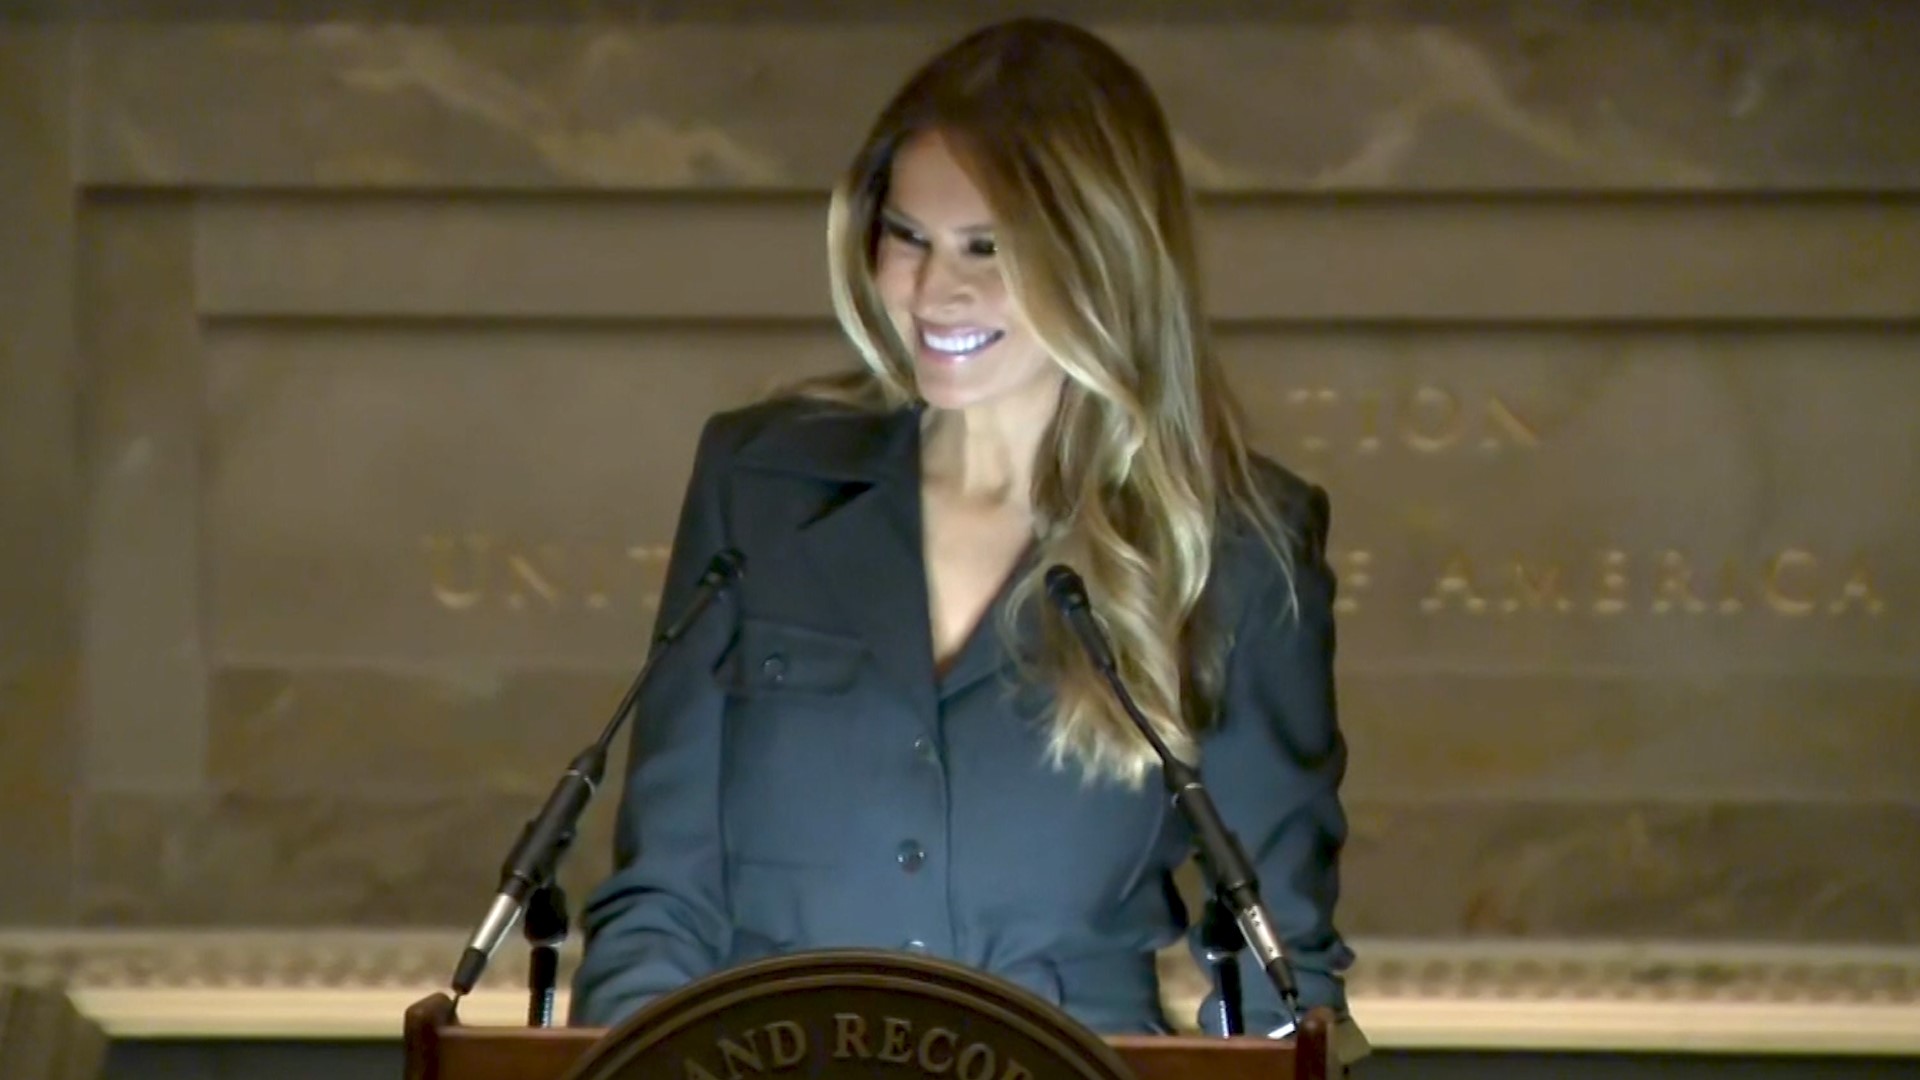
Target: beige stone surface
x,y
38,699
143,417
305,859
1267,259
480,500
352,371
1667,869
1511,96
40,493
1790,738
357,731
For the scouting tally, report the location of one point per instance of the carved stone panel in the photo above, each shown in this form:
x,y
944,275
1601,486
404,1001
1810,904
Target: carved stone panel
x,y
1482,95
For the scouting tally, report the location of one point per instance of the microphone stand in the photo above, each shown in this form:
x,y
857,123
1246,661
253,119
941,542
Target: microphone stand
x,y
1220,944
530,866
545,925
1236,888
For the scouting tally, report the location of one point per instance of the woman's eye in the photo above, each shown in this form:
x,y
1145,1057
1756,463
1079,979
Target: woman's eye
x,y
983,247
895,230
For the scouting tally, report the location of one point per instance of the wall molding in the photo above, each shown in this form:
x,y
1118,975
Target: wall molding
x,y
1610,996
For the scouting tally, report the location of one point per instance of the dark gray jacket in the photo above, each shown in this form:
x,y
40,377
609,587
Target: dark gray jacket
x,y
803,779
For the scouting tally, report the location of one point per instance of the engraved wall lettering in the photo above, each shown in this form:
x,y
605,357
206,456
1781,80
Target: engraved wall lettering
x,y
1537,587
1369,408
653,559
1426,419
472,573
457,569
1430,422
1455,586
601,568
1504,421
1728,589
1351,572
1318,403
1793,583
1675,590
1858,590
536,572
1785,578
1612,598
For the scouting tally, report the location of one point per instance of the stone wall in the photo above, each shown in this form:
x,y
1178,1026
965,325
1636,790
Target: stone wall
x,y
352,372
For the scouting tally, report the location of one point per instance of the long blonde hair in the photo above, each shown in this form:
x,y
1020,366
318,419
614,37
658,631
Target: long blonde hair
x,y
1145,462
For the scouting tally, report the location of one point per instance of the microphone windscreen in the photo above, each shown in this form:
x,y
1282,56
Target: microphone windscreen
x,y
1065,588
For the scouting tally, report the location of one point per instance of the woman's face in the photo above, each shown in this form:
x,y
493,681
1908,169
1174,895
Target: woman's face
x,y
938,274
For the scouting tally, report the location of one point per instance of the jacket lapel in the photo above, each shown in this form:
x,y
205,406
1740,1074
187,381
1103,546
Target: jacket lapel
x,y
863,540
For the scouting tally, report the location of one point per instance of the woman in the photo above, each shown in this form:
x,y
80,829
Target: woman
x,y
889,741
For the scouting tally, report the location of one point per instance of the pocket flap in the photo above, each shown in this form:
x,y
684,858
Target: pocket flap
x,y
780,658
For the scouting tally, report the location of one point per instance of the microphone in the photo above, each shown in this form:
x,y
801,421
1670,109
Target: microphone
x,y
530,865
1235,885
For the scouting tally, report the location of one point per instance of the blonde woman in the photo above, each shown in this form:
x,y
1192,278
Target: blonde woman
x,y
889,740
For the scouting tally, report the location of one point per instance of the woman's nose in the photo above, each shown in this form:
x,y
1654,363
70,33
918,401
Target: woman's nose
x,y
941,283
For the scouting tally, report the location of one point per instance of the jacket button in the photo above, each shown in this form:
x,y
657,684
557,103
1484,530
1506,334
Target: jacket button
x,y
774,667
916,945
911,856
923,746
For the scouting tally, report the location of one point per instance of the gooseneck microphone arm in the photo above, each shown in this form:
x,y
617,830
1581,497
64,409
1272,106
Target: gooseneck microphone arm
x,y
545,837
1234,883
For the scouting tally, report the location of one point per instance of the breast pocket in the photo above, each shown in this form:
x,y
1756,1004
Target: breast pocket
x,y
773,659
795,730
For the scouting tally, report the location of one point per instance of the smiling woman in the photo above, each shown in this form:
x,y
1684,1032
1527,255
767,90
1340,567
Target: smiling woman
x,y
936,271
896,743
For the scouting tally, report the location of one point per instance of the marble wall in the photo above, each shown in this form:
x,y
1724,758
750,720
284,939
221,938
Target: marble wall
x,y
351,373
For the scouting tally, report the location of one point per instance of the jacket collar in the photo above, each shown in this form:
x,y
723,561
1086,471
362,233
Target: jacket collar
x,y
868,544
831,442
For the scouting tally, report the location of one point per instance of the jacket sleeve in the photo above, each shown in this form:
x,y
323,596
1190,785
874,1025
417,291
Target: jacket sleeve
x,y
1274,766
661,919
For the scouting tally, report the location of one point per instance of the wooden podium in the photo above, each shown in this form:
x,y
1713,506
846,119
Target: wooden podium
x,y
848,1013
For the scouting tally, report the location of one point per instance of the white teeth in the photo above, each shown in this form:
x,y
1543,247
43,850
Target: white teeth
x,y
959,343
